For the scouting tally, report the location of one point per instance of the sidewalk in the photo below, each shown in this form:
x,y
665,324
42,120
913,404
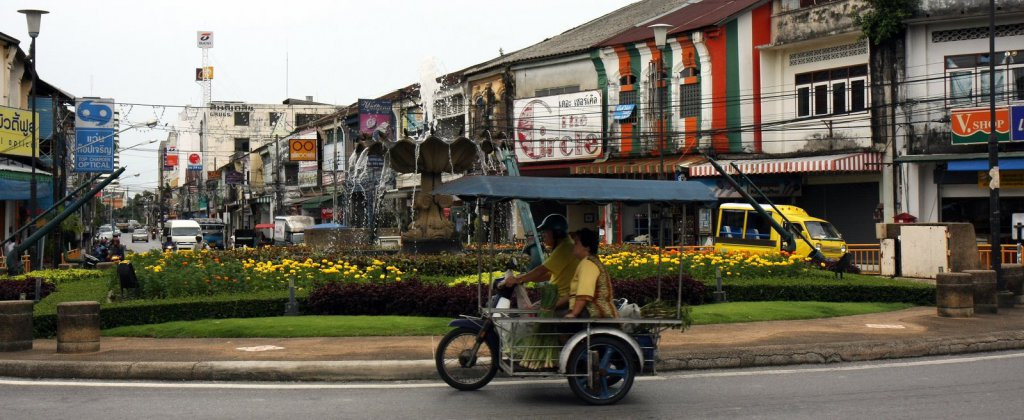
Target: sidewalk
x,y
912,332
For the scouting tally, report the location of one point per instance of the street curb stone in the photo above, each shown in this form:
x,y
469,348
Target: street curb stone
x,y
349,371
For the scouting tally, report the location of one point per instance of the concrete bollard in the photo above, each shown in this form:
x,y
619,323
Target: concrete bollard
x,y
1013,274
984,291
15,325
78,327
954,295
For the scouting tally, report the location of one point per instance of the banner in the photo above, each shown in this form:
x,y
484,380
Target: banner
x,y
16,132
558,127
94,135
308,174
375,115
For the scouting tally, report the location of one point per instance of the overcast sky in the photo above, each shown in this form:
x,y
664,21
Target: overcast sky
x,y
144,52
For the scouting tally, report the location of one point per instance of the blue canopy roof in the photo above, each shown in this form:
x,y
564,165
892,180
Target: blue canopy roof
x,y
576,190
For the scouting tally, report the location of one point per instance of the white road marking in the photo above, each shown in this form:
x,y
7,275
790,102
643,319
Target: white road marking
x,y
892,326
260,348
509,382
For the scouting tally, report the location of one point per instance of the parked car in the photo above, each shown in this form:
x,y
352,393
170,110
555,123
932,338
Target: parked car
x,y
141,235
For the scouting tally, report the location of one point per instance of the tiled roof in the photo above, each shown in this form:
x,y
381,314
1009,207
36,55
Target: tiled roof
x,y
684,19
587,35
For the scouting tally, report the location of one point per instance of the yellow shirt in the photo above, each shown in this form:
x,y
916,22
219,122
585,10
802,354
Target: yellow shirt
x,y
584,282
562,265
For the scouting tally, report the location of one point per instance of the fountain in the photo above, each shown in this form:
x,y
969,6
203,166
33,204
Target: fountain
x,y
430,157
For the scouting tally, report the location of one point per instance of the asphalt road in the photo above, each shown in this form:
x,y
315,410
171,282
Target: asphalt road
x,y
140,247
982,386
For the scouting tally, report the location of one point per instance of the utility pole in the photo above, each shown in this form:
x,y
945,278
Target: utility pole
x,y
276,208
334,211
996,255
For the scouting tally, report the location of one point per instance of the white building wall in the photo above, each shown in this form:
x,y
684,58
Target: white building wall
x,y
785,131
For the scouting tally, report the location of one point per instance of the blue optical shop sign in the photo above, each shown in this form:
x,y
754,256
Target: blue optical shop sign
x,y
94,135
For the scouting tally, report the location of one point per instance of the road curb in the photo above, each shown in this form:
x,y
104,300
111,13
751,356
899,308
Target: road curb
x,y
403,370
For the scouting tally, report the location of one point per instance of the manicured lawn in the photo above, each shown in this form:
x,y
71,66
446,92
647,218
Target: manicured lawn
x,y
355,326
725,313
290,326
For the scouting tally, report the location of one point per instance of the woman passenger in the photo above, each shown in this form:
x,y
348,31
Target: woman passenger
x,y
590,292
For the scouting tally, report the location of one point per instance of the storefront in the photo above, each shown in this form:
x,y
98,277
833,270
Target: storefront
x,y
841,188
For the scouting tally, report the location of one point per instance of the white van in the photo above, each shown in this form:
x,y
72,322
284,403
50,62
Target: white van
x,y
182,232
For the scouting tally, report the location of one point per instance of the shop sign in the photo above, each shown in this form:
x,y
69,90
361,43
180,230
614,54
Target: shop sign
x,y
302,150
374,115
195,161
326,214
971,126
1007,180
558,127
94,135
1017,122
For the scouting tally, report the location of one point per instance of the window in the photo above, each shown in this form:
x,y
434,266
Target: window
x,y
627,95
690,100
732,224
274,117
969,83
757,227
242,144
291,174
832,91
558,90
241,118
303,120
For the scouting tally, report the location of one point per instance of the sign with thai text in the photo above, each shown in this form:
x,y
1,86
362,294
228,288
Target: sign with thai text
x,y
16,132
558,127
971,126
94,135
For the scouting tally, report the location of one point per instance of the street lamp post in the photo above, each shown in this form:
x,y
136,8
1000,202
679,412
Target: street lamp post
x,y
660,35
33,17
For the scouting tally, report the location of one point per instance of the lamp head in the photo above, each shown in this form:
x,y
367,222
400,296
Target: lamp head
x,y
33,16
660,33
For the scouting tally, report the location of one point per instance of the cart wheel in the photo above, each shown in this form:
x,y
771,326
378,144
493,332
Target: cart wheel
x,y
613,366
458,366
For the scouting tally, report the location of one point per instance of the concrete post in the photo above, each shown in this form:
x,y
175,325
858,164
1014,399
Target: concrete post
x,y
984,291
954,295
78,327
15,325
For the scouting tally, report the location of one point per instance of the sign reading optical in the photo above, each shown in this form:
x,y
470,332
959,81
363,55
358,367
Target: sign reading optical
x,y
302,150
94,135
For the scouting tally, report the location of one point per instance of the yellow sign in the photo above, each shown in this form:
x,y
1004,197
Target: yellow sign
x,y
1007,179
302,150
16,132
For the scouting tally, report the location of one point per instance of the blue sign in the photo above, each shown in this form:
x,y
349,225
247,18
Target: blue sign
x,y
624,111
94,150
1017,123
94,112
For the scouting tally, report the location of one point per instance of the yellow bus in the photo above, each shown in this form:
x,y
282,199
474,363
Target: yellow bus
x,y
741,228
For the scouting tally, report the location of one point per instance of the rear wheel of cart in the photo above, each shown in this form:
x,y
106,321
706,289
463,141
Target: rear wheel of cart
x,y
612,370
459,367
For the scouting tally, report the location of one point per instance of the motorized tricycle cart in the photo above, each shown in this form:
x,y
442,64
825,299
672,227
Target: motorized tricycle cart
x,y
599,357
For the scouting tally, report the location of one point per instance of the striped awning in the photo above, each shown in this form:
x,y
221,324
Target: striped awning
x,y
847,162
635,166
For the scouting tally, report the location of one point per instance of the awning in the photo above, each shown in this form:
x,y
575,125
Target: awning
x,y
265,226
847,162
982,165
636,166
316,202
623,112
576,190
